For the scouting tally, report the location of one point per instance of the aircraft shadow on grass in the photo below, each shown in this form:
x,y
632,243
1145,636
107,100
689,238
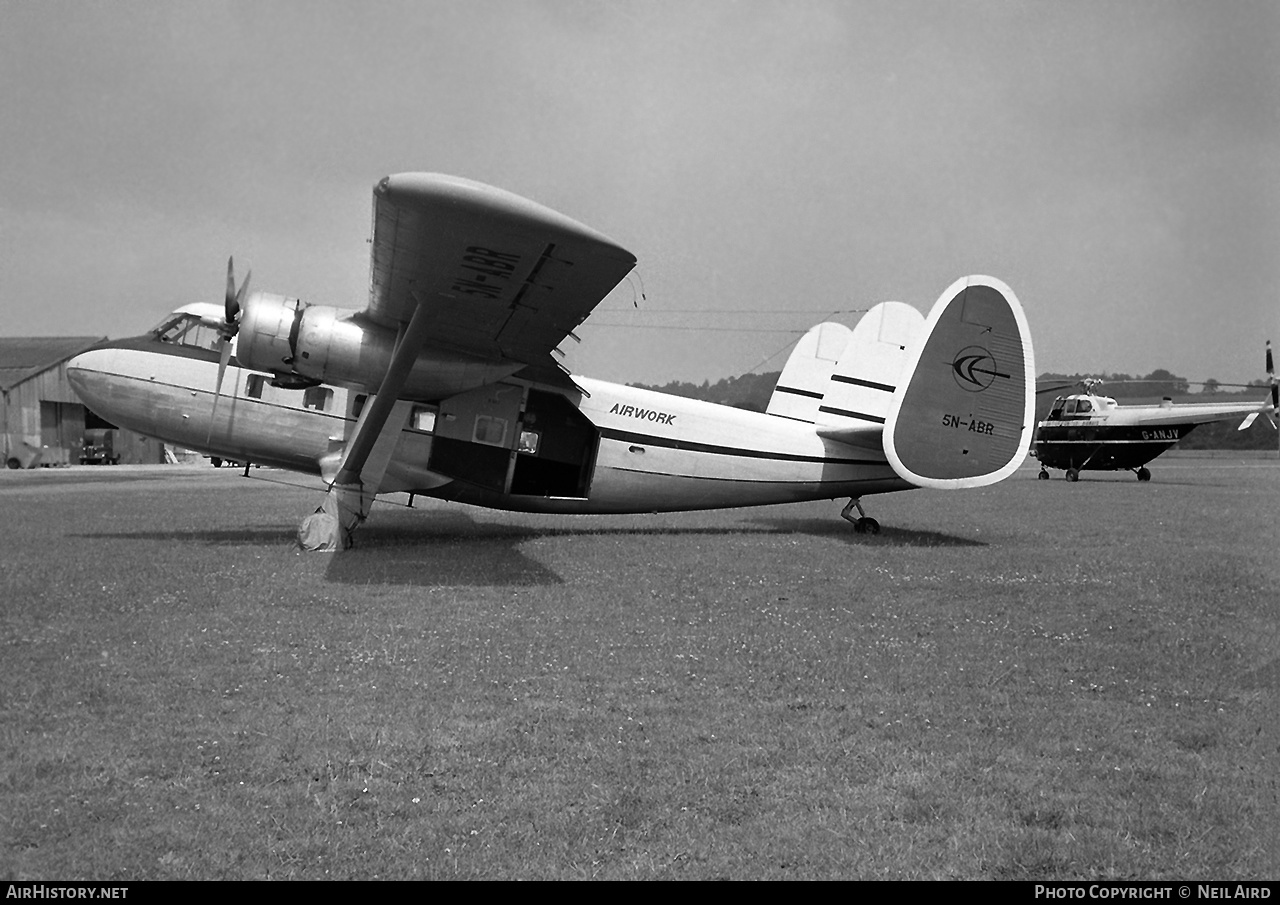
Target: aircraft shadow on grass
x,y
453,549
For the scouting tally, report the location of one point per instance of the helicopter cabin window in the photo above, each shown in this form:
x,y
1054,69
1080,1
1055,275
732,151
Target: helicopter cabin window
x,y
317,398
253,385
1055,413
529,442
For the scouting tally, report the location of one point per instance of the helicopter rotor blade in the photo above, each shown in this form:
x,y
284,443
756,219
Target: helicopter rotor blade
x,y
1054,388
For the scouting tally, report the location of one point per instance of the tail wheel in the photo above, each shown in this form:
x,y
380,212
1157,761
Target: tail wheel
x,y
1073,475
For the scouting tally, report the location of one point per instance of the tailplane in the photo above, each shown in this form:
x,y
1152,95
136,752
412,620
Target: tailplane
x,y
964,413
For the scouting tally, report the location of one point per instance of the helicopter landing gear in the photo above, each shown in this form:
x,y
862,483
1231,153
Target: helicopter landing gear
x,y
862,525
1143,474
1044,474
1073,474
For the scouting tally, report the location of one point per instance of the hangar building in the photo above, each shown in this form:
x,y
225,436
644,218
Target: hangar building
x,y
43,421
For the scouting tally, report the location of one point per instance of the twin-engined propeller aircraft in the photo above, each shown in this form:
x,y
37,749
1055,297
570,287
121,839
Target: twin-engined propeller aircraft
x,y
445,384
1089,431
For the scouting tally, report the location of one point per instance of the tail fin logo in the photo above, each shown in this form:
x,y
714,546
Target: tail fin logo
x,y
975,369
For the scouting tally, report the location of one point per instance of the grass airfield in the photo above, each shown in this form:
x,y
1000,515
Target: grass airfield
x,y
1038,680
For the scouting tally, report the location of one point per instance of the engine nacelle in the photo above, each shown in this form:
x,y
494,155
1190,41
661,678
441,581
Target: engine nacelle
x,y
304,344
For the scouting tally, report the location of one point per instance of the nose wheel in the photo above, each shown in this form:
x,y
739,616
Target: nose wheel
x,y
863,524
1143,474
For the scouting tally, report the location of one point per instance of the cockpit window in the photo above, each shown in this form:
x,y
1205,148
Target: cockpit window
x,y
187,330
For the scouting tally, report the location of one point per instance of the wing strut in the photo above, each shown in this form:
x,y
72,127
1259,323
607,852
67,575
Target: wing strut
x,y
355,486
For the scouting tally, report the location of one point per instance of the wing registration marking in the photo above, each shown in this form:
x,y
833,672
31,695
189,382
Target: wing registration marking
x,y
485,272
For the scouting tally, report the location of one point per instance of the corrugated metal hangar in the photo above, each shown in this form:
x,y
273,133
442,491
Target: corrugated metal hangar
x,y
44,423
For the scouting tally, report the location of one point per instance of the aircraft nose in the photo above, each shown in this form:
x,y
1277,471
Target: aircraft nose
x,y
82,367
88,374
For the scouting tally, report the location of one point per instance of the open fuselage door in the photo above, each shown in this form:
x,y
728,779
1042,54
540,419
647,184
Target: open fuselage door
x,y
509,438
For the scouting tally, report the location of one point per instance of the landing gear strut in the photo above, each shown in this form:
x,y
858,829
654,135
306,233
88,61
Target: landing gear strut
x,y
864,524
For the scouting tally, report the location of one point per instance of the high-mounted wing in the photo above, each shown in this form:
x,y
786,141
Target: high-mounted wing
x,y
498,275
464,265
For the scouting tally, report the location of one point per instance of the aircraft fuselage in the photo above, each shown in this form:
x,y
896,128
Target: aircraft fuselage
x,y
509,445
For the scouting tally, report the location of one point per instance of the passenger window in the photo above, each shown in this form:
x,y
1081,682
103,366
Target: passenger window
x,y
490,430
529,442
423,419
317,398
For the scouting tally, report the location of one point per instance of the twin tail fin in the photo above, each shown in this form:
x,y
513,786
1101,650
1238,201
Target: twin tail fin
x,y
949,398
965,414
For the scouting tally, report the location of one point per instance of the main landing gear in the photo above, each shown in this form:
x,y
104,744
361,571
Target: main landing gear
x,y
1142,473
864,524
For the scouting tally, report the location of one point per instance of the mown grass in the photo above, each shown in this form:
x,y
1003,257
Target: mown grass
x,y
1037,680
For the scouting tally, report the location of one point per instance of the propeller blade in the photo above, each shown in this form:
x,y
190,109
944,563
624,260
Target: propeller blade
x,y
232,302
1275,384
224,356
244,291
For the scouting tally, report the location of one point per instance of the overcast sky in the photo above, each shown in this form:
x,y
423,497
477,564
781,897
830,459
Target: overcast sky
x,y
1117,163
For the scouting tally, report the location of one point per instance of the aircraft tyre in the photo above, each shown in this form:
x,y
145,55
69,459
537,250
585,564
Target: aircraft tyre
x,y
1144,474
13,462
215,461
1043,476
866,525
1073,475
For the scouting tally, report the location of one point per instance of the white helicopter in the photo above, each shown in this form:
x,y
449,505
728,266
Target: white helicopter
x,y
1089,431
445,383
